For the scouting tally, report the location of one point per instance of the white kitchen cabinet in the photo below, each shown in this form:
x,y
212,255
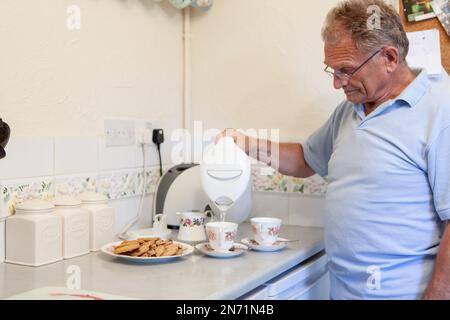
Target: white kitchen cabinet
x,y
306,281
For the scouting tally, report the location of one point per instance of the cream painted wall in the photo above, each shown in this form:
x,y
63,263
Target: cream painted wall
x,y
258,64
124,62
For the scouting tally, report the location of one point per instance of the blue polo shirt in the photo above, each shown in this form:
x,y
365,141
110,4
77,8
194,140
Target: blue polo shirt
x,y
388,193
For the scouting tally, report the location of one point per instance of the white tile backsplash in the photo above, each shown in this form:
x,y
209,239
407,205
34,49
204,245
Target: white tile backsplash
x,y
126,209
116,158
306,210
76,155
166,154
113,158
267,204
27,157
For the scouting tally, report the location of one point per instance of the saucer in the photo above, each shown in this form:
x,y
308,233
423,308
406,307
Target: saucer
x,y
237,250
281,244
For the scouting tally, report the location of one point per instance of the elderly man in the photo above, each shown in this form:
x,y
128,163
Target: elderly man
x,y
386,154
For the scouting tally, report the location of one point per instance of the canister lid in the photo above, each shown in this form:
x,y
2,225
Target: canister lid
x,y
66,201
92,197
35,205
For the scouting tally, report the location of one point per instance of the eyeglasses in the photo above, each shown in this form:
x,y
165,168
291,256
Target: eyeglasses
x,y
347,76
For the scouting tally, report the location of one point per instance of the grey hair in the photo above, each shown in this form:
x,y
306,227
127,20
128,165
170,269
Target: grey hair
x,y
352,17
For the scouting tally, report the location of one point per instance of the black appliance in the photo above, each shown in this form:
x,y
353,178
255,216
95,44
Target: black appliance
x,y
4,137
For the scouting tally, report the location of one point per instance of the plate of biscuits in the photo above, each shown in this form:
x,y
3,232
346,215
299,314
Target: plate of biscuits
x,y
147,250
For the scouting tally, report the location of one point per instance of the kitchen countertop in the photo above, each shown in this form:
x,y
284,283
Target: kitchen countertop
x,y
194,277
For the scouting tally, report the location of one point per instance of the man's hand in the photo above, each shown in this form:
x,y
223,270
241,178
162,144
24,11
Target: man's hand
x,y
287,158
239,138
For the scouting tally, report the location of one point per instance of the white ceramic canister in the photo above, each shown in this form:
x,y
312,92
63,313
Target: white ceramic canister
x,y
76,226
102,219
34,234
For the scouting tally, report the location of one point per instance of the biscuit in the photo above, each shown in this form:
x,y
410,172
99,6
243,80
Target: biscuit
x,y
149,239
170,250
143,249
149,247
126,243
126,248
159,251
168,243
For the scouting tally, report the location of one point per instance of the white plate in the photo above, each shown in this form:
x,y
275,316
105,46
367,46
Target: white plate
x,y
280,244
109,250
164,234
237,250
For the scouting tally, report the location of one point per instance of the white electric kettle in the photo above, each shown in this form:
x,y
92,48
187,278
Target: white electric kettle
x,y
226,179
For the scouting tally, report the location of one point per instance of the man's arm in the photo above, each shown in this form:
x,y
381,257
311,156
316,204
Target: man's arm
x,y
287,158
292,161
439,286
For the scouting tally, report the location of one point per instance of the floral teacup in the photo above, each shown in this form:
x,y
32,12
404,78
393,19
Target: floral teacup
x,y
265,230
221,235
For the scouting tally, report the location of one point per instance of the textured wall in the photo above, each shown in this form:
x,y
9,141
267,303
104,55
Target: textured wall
x,y
125,61
258,64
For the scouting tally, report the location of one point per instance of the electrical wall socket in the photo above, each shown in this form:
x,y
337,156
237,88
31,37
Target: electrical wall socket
x,y
143,132
119,133
122,133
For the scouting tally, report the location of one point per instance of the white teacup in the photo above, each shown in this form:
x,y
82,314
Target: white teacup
x,y
221,235
265,230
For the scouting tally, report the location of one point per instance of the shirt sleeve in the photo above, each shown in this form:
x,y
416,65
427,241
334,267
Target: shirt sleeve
x,y
318,148
439,173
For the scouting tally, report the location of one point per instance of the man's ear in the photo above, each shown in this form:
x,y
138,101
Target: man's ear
x,y
391,57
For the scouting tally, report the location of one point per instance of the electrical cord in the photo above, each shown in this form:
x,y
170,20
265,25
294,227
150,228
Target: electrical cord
x,y
160,161
123,233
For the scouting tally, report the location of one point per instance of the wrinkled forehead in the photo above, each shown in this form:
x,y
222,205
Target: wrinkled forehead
x,y
340,50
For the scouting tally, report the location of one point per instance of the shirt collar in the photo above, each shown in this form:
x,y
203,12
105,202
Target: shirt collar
x,y
411,94
416,89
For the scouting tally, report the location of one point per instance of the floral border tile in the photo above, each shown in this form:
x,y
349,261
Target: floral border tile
x,y
297,185
14,192
128,183
73,185
315,185
117,185
124,184
266,180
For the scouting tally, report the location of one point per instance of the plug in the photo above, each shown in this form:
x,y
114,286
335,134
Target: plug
x,y
158,136
158,139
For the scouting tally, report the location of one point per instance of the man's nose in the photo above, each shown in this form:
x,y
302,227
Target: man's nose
x,y
339,83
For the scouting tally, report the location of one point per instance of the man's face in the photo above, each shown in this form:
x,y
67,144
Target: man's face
x,y
367,83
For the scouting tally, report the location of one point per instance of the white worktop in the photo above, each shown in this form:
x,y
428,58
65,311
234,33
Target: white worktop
x,y
189,278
